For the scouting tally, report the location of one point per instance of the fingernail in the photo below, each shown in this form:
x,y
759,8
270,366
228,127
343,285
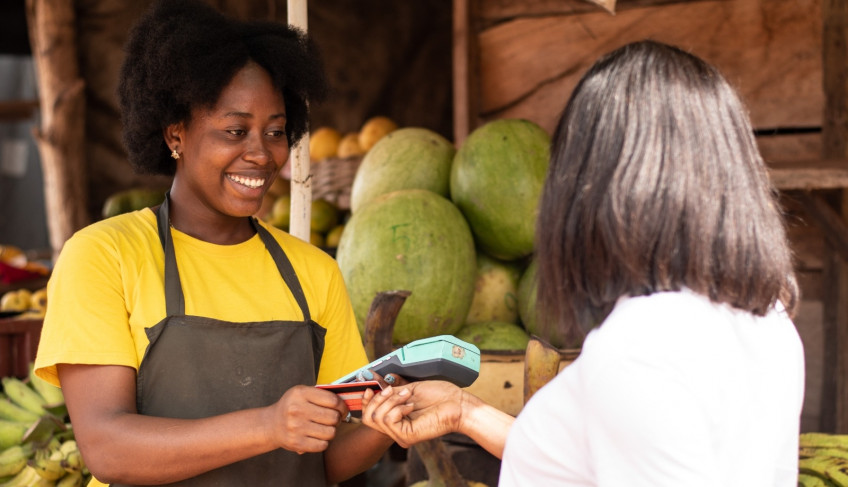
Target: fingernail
x,y
390,379
367,375
403,392
387,391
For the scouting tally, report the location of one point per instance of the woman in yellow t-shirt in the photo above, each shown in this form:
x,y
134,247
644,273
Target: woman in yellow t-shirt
x,y
187,338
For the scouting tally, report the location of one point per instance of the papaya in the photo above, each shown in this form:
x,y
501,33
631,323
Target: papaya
x,y
413,240
527,291
495,291
496,181
527,298
407,158
494,335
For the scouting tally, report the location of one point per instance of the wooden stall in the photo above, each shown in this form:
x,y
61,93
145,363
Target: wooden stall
x,y
787,59
513,58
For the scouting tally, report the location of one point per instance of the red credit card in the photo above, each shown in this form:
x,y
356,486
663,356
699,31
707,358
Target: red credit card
x,y
351,392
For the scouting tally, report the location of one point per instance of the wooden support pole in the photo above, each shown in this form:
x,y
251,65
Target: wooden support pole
x,y
463,68
834,416
301,178
61,137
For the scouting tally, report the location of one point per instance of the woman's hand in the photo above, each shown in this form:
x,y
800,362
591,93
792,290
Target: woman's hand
x,y
305,419
414,412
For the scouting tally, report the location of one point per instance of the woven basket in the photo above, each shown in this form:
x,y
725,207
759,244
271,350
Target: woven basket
x,y
332,179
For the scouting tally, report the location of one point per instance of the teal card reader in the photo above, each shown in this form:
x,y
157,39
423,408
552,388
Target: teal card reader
x,y
443,357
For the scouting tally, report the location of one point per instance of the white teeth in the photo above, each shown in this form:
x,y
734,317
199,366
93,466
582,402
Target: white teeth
x,y
249,182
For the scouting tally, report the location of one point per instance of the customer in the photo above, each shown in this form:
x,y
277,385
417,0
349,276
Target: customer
x,y
658,222
188,338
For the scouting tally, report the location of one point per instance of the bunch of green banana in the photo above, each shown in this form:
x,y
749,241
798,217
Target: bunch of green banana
x,y
823,460
37,444
59,463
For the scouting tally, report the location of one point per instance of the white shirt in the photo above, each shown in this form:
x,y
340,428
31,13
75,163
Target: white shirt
x,y
671,390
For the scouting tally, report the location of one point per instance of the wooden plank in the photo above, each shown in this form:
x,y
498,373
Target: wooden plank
x,y
529,66
812,289
816,174
17,110
831,222
492,11
793,147
835,146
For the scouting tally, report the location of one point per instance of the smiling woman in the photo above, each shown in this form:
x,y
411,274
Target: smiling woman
x,y
188,337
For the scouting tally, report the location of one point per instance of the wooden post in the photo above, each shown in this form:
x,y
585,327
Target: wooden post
x,y
835,144
61,137
301,179
463,108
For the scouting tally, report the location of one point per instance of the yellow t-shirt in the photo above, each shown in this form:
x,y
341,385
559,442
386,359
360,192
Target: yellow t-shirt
x,y
107,287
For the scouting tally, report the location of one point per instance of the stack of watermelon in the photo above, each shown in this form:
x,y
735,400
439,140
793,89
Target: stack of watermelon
x,y
454,227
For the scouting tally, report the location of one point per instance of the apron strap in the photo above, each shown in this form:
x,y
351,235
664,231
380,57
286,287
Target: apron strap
x,y
284,266
174,299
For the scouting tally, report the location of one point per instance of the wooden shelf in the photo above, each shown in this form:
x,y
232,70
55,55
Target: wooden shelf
x,y
18,345
807,175
17,110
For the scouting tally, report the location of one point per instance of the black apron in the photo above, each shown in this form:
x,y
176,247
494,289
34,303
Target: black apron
x,y
196,367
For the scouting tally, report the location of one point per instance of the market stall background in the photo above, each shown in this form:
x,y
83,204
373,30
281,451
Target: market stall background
x,y
451,66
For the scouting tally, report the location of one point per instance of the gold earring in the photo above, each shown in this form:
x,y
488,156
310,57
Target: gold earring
x,y
175,154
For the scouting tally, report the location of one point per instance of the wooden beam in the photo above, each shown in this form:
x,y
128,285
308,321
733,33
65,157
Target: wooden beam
x,y
806,175
835,146
61,137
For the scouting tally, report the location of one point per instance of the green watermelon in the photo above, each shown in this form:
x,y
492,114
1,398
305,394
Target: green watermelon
x,y
495,291
407,158
413,240
496,181
494,335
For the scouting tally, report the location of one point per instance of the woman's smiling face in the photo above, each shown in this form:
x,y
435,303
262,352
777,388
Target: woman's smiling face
x,y
231,153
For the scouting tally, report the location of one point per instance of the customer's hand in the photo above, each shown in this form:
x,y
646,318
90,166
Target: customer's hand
x,y
414,412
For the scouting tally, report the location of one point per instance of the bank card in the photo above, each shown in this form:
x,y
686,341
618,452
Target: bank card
x,y
351,392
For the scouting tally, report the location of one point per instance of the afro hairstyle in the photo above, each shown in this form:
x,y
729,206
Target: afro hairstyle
x,y
181,55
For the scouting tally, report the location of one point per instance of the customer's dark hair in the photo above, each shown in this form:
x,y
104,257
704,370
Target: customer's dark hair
x,y
656,184
180,56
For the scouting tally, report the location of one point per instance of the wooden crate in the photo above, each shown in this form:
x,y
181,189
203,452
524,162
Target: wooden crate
x,y
18,345
501,379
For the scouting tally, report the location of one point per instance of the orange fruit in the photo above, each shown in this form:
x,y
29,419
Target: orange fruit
x,y
334,236
316,239
349,146
324,216
324,143
373,130
281,212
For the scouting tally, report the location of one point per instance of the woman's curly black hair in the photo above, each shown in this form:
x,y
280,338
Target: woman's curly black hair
x,y
183,53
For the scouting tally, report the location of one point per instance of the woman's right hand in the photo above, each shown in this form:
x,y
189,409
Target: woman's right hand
x,y
414,412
